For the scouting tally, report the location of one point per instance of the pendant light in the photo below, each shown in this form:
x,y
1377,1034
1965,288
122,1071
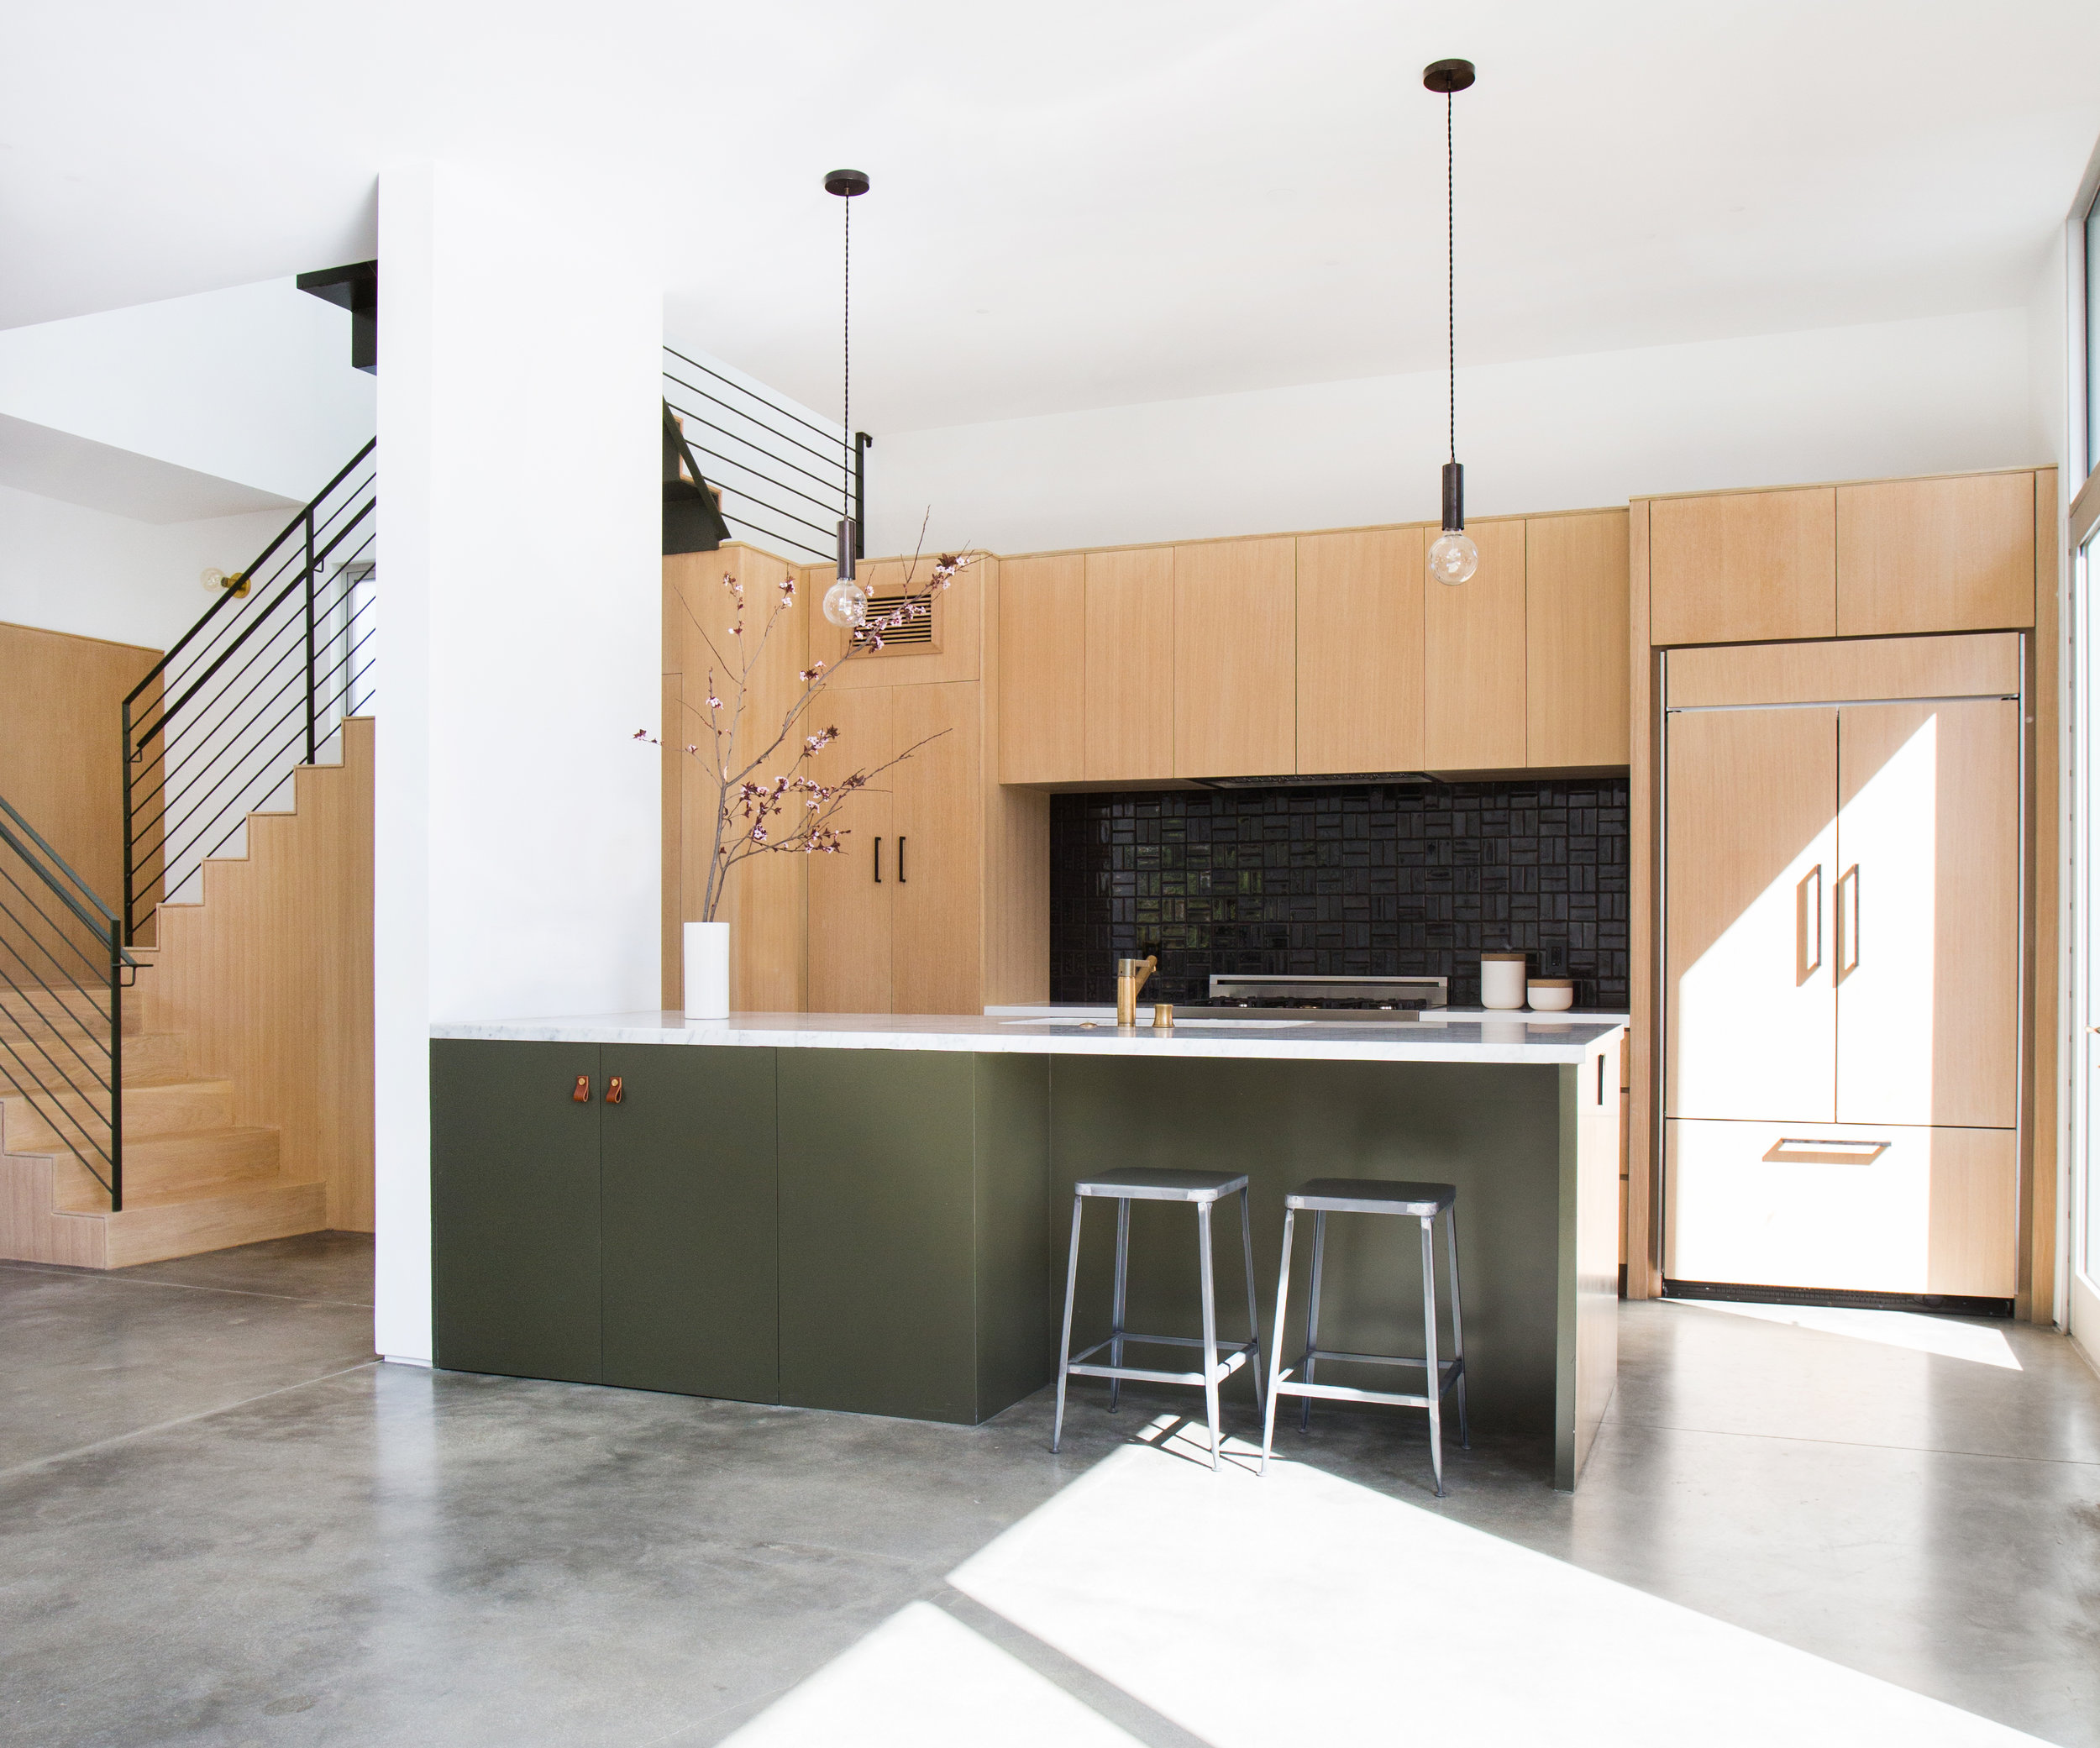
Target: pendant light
x,y
1452,556
845,602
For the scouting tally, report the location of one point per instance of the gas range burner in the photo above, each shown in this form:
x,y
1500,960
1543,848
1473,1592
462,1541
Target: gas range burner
x,y
1359,998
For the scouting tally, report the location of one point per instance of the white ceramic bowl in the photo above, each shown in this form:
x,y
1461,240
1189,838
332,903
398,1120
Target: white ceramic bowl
x,y
1550,998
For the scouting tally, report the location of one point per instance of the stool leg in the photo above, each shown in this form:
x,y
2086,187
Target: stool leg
x,y
1254,1310
1276,1342
1064,1344
1312,1313
1458,1322
1429,1339
1123,1279
1209,1328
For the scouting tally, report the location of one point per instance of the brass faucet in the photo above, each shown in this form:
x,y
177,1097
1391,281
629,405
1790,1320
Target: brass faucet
x,y
1130,978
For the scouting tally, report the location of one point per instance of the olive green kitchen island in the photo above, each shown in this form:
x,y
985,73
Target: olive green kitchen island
x,y
870,1213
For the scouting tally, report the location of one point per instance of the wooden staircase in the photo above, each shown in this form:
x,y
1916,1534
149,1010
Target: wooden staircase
x,y
246,1099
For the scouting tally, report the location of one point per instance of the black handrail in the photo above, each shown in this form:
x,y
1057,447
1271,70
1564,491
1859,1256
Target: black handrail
x,y
82,1105
263,656
752,450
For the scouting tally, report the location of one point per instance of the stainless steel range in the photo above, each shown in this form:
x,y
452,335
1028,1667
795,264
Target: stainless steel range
x,y
1355,999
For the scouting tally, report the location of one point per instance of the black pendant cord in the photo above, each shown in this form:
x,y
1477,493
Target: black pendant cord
x,y
846,478
1451,283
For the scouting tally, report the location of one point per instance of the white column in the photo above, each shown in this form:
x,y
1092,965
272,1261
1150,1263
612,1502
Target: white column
x,y
519,640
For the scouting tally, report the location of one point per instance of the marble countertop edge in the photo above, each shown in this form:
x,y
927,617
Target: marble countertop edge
x,y
1515,1039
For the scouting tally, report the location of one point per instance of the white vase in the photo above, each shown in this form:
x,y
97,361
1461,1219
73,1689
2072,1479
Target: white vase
x,y
707,971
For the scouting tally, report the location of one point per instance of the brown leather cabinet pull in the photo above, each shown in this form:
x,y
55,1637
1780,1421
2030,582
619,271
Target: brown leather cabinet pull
x,y
582,1093
614,1090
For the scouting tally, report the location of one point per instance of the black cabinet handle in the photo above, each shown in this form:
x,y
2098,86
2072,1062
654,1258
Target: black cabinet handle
x,y
878,862
582,1093
900,862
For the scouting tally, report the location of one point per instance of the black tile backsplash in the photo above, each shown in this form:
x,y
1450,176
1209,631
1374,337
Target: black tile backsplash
x,y
1356,880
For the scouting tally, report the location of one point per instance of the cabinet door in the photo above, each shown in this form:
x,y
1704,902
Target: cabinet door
x,y
1360,651
1751,862
1925,555
850,892
1129,664
690,1222
1236,664
1927,914
1575,683
878,1273
1473,647
937,944
1843,1207
1745,567
1042,669
514,1208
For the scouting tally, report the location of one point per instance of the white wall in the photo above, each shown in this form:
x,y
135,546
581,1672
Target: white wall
x,y
66,568
1892,398
516,820
253,383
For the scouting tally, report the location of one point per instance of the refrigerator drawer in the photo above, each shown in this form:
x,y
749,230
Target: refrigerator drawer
x,y
1842,1206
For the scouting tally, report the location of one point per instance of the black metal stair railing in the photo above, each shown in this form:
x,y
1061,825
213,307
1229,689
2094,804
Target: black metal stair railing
x,y
785,479
257,687
63,970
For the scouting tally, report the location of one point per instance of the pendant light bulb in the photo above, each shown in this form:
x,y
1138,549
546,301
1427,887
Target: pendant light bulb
x,y
1453,558
845,602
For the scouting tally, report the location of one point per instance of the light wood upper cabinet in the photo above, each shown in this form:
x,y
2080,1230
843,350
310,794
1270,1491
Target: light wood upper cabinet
x,y
1359,650
1473,655
1747,567
1927,555
1576,686
937,945
1129,665
1236,663
1042,669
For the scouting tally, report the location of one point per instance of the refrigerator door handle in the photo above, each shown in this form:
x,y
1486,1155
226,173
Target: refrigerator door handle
x,y
1807,925
1848,922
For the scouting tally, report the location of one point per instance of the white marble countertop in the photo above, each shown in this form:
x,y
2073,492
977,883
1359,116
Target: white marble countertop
x,y
1517,1037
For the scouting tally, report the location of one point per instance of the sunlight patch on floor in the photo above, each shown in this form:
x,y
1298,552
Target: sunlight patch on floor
x,y
923,1678
1948,1337
1230,1604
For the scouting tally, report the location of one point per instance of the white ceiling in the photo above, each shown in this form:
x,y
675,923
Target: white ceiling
x,y
1100,202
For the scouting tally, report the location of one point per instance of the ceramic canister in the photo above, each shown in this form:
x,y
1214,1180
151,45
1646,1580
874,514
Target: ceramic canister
x,y
1502,976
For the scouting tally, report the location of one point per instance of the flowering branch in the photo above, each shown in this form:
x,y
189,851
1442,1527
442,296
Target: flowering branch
x,y
789,811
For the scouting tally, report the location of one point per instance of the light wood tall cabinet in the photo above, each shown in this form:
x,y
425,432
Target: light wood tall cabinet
x,y
892,919
1842,966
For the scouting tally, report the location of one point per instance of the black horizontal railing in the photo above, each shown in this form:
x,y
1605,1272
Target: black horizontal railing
x,y
785,480
63,968
257,687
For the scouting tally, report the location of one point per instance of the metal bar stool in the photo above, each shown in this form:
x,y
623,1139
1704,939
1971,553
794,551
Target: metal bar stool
x,y
1323,1196
1204,1190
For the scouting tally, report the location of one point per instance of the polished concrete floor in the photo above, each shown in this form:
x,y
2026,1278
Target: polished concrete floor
x,y
223,1522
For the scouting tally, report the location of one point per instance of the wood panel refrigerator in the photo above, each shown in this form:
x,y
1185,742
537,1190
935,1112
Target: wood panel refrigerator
x,y
1842,938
